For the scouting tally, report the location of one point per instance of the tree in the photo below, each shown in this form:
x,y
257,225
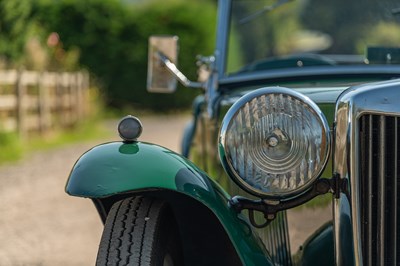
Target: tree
x,y
112,39
15,28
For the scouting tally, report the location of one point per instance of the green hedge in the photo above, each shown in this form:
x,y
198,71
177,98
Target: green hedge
x,y
113,37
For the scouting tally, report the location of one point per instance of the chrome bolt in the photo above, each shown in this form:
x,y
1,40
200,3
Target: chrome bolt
x,y
272,141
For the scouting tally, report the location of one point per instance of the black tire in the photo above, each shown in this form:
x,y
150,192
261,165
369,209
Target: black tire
x,y
140,231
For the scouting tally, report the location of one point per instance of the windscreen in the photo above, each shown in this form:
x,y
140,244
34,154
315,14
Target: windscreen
x,y
273,34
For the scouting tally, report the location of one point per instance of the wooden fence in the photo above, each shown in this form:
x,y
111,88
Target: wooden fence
x,y
41,101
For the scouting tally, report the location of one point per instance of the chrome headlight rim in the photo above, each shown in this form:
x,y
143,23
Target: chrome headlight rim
x,y
237,106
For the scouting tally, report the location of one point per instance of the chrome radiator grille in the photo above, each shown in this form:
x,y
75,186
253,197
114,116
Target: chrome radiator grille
x,y
379,160
278,240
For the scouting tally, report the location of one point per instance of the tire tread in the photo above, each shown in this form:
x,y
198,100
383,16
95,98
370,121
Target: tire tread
x,y
130,233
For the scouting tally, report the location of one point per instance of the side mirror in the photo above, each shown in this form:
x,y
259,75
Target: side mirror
x,y
159,78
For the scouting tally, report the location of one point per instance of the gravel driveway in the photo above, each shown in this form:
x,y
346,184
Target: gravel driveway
x,y
39,223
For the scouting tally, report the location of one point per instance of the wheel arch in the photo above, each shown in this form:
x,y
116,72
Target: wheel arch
x,y
113,171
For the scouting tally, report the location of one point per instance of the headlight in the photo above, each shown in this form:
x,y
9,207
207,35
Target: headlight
x,y
274,142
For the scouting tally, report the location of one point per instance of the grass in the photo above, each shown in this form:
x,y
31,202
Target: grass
x,y
81,133
10,147
13,149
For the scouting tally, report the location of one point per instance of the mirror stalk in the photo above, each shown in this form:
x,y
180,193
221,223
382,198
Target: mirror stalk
x,y
171,67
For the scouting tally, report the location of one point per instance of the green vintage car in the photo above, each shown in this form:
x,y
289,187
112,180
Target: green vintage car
x,y
300,108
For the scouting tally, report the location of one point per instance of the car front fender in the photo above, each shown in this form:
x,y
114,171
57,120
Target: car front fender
x,y
118,168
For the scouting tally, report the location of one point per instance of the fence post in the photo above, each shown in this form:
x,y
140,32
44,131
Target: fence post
x,y
85,91
20,90
59,100
44,108
72,104
77,96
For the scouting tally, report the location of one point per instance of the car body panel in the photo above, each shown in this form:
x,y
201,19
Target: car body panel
x,y
317,250
117,168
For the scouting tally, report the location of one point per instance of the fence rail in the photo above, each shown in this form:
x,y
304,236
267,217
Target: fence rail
x,y
41,101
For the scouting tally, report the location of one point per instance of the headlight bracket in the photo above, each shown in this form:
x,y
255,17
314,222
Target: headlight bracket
x,y
269,209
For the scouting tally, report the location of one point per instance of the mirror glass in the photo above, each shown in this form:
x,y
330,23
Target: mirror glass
x,y
159,79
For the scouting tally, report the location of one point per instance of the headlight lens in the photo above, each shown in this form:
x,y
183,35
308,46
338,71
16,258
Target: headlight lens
x,y
274,142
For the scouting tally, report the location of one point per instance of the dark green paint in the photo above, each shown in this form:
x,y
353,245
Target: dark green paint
x,y
317,250
118,167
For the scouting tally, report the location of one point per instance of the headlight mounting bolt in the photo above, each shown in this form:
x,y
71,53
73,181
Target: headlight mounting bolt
x,y
272,141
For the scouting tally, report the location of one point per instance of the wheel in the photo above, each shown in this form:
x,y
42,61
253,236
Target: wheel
x,y
140,231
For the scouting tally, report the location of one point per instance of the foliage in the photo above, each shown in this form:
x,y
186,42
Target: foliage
x,y
384,34
15,28
112,40
109,38
353,29
196,36
257,35
23,39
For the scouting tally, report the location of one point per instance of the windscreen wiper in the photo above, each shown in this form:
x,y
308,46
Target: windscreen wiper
x,y
265,9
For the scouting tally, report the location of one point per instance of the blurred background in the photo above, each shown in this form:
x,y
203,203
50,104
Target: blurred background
x,y
69,69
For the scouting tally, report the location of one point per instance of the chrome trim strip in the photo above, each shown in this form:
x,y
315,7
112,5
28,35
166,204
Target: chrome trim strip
x,y
395,192
382,190
370,176
372,71
380,98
